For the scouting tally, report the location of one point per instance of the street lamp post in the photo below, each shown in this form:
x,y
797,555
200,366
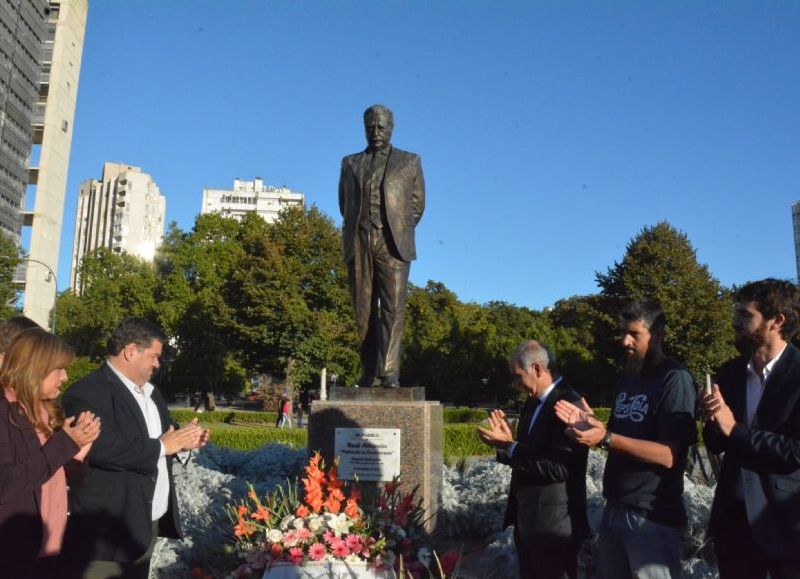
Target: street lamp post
x,y
51,276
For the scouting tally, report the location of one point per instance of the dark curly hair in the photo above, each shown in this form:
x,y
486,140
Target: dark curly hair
x,y
772,297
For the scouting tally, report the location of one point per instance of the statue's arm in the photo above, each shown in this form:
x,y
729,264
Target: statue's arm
x,y
342,192
418,199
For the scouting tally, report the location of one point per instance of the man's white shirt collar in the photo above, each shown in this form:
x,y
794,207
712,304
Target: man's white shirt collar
x,y
768,367
147,389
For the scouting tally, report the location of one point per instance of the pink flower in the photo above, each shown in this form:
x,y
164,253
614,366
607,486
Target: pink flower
x,y
353,542
296,555
340,550
369,543
328,536
303,534
290,538
317,552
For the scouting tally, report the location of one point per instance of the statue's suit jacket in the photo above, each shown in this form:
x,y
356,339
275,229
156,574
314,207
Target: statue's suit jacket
x,y
403,190
767,452
111,510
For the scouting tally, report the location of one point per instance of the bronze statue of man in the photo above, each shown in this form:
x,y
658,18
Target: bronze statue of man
x,y
381,197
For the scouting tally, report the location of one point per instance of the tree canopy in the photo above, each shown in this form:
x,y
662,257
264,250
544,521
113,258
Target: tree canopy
x,y
247,298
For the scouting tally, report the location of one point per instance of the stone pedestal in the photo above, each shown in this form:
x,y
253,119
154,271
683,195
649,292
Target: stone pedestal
x,y
421,437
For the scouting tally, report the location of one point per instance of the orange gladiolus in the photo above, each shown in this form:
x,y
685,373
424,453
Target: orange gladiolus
x,y
242,510
261,514
315,503
351,510
333,505
245,528
302,511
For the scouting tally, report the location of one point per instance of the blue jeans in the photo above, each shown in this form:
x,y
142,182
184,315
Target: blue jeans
x,y
631,547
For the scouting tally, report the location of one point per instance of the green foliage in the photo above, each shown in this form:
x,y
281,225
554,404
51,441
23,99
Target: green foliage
x,y
229,417
113,287
9,259
463,415
290,300
459,352
80,367
660,263
461,440
250,438
248,298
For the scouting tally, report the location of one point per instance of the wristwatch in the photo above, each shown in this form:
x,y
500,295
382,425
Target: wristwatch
x,y
605,444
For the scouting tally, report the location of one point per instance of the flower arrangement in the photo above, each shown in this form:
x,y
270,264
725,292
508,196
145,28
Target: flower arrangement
x,y
331,523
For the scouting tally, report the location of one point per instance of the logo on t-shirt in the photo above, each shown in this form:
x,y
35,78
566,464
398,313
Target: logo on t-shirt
x,y
631,408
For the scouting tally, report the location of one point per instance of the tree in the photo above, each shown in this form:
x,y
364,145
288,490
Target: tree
x,y
660,263
289,298
459,352
588,372
114,286
192,269
9,260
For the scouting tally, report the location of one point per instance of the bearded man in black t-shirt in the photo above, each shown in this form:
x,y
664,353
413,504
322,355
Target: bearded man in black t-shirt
x,y
648,436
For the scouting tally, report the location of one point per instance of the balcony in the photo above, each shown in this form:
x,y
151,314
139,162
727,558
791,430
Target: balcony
x,y
37,119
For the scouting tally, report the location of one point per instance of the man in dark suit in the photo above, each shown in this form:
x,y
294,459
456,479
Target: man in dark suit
x,y
547,498
381,198
127,498
753,416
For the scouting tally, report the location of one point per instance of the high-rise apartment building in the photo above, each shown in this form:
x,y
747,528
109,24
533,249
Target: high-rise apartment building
x,y
53,117
22,34
250,196
123,211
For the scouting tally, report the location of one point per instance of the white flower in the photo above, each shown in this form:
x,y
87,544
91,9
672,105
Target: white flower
x,y
339,523
274,536
424,556
286,521
298,523
315,524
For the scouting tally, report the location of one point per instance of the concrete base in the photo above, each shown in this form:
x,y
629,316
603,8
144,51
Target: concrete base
x,y
421,436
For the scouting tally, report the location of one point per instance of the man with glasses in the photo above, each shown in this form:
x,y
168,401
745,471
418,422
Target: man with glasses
x,y
127,498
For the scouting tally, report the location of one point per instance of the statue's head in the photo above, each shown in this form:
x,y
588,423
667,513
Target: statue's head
x,y
378,126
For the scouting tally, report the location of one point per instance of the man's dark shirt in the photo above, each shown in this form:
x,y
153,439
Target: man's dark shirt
x,y
657,405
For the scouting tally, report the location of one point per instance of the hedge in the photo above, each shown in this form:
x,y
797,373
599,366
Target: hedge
x,y
185,415
463,415
251,438
459,439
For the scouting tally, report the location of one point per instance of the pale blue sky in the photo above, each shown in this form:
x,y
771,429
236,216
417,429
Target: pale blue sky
x,y
550,132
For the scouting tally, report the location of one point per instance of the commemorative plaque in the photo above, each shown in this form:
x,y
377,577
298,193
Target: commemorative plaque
x,y
368,453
